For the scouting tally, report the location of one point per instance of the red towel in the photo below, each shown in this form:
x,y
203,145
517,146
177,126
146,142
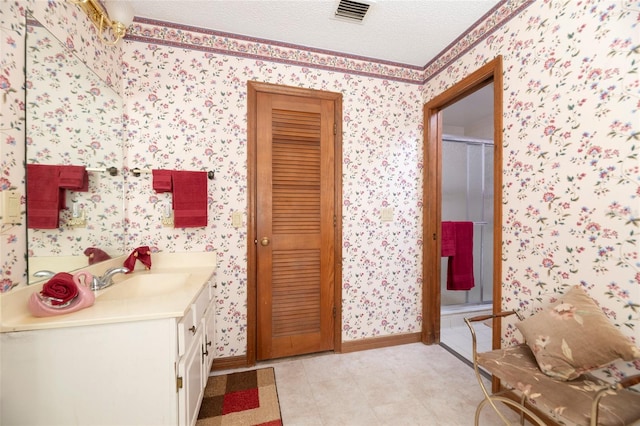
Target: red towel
x,y
95,255
460,265
448,241
74,177
143,254
162,180
43,196
60,287
189,199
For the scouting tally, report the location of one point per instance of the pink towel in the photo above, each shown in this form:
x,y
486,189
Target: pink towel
x,y
460,265
43,196
189,199
74,177
162,180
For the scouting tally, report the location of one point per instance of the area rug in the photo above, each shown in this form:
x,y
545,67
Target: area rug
x,y
247,398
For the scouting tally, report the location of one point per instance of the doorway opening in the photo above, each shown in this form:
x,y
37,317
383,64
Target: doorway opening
x,y
488,77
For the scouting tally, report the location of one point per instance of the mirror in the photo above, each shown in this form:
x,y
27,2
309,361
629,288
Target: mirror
x,y
72,118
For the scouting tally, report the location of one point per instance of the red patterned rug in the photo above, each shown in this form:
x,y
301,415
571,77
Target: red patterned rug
x,y
248,398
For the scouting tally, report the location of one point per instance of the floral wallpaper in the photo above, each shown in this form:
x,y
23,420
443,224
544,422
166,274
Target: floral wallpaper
x,y
571,183
13,265
570,160
74,118
186,110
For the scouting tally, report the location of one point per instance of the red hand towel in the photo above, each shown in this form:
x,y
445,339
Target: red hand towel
x,y
460,265
43,196
61,287
143,254
161,180
189,199
448,241
74,177
95,255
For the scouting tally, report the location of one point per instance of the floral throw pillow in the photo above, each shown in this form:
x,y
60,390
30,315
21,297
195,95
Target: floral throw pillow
x,y
574,336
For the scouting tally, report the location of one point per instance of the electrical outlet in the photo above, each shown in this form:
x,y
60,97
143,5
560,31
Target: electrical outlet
x,y
167,221
78,222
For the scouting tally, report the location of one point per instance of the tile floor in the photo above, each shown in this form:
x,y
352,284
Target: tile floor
x,y
455,334
459,339
410,384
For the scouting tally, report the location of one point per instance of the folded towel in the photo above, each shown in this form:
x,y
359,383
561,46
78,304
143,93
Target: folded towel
x,y
95,255
143,254
74,177
189,199
161,180
460,265
60,287
43,196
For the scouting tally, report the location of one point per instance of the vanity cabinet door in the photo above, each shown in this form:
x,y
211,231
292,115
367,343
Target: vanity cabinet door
x,y
209,340
191,370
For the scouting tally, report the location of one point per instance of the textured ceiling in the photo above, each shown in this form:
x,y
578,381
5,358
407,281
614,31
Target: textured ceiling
x,y
410,32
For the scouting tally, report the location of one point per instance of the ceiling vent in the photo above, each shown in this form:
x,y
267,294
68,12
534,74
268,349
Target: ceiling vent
x,y
352,11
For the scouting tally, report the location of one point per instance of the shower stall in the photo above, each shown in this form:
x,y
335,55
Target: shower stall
x,y
467,195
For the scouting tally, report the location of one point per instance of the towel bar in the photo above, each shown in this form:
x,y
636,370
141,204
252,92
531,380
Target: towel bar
x,y
137,172
113,171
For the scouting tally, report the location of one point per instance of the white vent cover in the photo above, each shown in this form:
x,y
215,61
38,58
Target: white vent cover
x,y
352,10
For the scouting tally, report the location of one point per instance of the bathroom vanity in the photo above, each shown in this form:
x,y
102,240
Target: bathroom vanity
x,y
139,356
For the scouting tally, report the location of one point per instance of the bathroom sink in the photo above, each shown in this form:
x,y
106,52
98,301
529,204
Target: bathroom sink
x,y
144,286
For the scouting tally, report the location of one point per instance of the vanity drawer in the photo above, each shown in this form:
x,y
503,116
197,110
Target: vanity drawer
x,y
187,328
200,304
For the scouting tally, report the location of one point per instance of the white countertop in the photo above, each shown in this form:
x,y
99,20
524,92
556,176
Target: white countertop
x,y
196,269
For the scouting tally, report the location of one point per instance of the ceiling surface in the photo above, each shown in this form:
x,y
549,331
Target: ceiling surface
x,y
409,32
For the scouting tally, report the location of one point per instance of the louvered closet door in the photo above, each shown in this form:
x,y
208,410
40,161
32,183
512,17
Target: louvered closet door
x,y
295,220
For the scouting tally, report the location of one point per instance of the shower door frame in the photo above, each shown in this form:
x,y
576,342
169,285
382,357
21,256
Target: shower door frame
x,y
480,277
432,196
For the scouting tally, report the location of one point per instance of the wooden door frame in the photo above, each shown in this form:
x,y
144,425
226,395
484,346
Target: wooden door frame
x,y
253,88
432,196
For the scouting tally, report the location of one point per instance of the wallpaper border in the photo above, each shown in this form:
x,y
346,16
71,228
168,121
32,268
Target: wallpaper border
x,y
193,38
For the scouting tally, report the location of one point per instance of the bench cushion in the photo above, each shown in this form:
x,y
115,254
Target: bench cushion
x,y
568,402
574,336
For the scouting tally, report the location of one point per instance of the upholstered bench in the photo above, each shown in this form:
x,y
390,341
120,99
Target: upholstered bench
x,y
562,385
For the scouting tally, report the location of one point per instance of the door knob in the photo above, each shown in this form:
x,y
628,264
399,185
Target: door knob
x,y
264,241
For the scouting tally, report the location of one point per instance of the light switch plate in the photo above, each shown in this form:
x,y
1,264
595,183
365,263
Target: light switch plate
x,y
236,219
10,207
387,214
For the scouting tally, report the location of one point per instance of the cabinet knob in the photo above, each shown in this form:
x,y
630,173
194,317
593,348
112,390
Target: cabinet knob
x,y
264,241
193,329
209,343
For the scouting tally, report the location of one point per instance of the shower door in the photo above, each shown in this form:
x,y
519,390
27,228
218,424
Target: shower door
x,y
467,195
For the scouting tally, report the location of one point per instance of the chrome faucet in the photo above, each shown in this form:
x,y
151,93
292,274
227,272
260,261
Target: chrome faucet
x,y
42,274
98,283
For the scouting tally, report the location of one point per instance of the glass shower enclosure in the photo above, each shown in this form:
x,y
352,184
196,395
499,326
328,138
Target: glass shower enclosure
x,y
467,195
